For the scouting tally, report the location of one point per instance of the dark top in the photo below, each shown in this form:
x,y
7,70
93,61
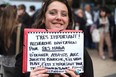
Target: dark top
x,y
26,20
11,49
81,21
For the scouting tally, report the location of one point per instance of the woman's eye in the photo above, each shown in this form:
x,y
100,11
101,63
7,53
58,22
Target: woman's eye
x,y
52,12
64,14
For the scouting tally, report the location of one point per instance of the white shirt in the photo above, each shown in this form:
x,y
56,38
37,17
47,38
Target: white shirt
x,y
31,13
89,18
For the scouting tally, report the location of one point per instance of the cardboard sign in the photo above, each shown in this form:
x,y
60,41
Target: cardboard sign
x,y
56,51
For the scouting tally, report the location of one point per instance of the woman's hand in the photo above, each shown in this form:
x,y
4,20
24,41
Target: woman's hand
x,y
71,72
39,72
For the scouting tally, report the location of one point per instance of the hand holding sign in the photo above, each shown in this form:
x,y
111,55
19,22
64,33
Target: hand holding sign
x,y
39,72
42,72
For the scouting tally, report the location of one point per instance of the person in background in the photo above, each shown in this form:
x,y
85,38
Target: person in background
x,y
112,30
55,15
8,27
2,6
32,10
103,26
80,21
114,36
96,12
31,13
23,16
89,17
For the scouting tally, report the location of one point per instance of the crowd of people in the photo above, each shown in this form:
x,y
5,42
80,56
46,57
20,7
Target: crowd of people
x,y
55,15
102,19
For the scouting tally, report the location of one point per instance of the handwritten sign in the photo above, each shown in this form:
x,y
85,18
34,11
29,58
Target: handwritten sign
x,y
55,51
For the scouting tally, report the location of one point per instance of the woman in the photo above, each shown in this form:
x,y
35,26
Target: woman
x,y
7,39
103,26
56,15
23,16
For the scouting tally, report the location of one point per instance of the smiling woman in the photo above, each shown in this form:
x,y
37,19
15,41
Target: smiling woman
x,y
56,15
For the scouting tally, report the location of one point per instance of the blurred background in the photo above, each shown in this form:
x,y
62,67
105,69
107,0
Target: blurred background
x,y
76,3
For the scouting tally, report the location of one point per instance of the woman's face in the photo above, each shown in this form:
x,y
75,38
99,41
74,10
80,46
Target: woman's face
x,y
20,12
102,13
56,16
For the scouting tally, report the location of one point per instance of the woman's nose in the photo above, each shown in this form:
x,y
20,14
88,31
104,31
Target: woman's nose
x,y
58,17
